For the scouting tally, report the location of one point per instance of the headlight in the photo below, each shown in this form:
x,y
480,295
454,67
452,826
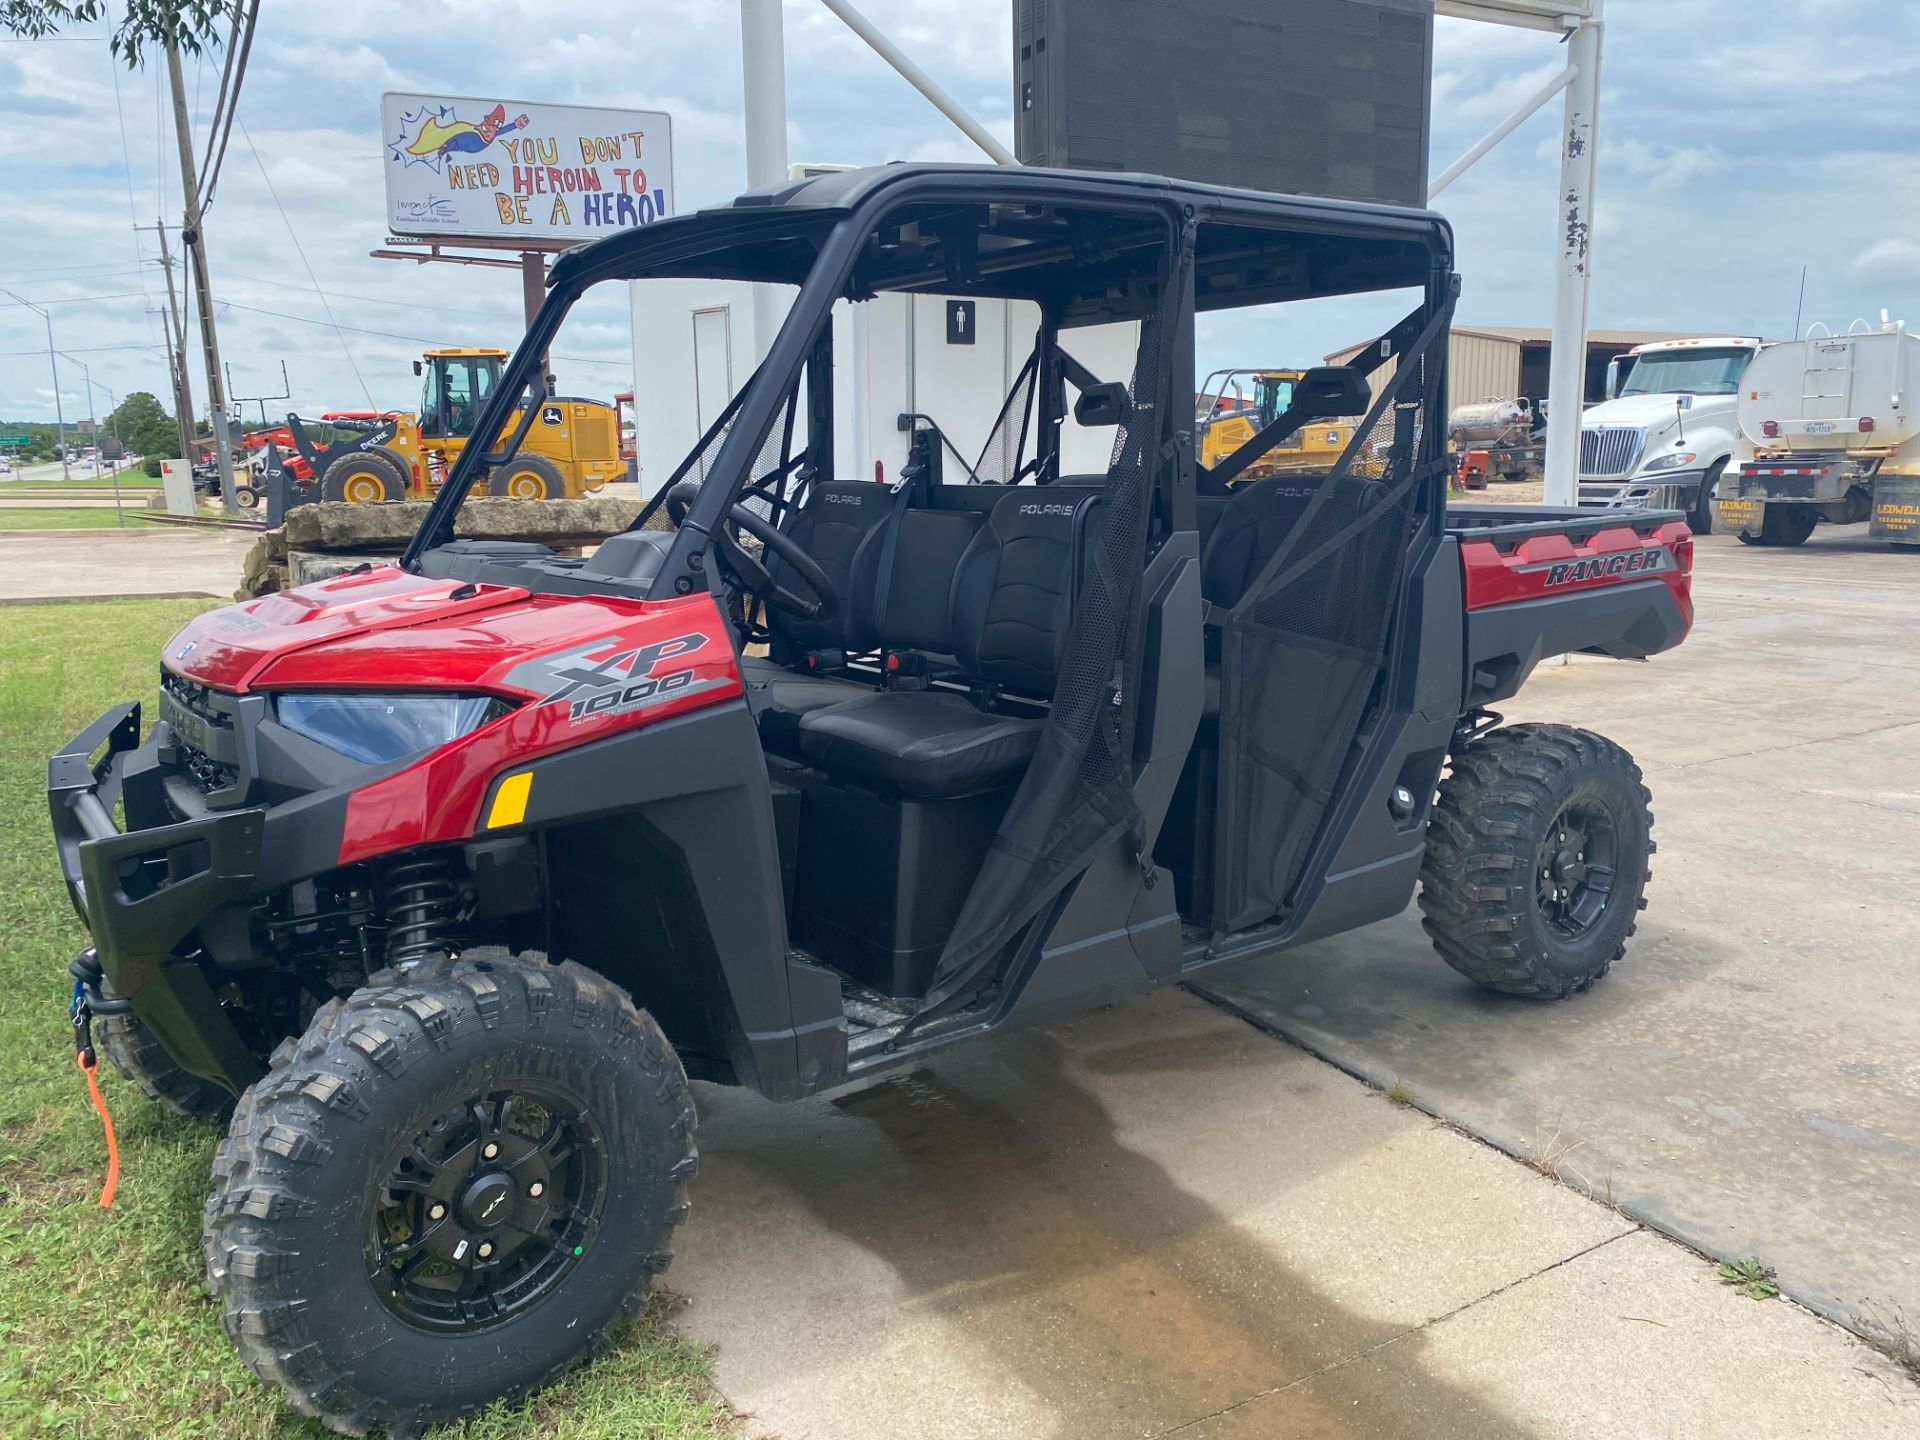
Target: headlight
x,y
1673,461
380,728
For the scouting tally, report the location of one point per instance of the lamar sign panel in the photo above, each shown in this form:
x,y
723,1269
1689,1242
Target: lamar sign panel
x,y
514,170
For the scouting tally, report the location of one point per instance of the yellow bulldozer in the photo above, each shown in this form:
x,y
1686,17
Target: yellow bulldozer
x,y
1229,417
572,449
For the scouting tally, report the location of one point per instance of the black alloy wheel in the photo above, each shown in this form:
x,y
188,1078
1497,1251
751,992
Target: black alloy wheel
x,y
487,1209
1576,869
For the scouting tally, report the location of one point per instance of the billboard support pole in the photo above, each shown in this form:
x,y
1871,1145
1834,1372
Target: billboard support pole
x,y
533,282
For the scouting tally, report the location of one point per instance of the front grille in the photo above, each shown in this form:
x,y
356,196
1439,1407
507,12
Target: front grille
x,y
203,731
593,435
1610,450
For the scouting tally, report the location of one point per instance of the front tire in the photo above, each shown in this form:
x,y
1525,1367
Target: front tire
x,y
1536,863
1700,519
132,1050
449,1190
364,477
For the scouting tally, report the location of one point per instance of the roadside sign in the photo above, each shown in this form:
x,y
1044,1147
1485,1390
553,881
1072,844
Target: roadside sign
x,y
513,170
16,440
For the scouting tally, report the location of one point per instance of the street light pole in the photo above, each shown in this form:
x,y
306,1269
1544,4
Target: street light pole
x,y
60,417
93,428
177,351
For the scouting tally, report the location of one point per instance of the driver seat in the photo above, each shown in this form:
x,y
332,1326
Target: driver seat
x,y
1011,600
841,526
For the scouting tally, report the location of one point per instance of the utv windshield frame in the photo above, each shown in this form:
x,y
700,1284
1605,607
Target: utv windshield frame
x,y
829,237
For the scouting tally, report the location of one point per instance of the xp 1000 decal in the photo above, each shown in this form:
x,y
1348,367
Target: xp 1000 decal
x,y
611,677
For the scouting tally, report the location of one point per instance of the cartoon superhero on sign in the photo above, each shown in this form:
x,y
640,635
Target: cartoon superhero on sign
x,y
431,134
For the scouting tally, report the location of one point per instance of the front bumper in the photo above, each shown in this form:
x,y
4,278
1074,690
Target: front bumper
x,y
1662,490
143,892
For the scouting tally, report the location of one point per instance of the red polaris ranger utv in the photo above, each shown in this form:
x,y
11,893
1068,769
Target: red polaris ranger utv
x,y
451,872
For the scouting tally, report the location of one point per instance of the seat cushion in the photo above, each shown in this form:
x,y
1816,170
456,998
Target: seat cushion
x,y
918,742
779,700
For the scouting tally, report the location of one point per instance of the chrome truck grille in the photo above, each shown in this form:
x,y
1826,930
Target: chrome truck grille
x,y
1610,449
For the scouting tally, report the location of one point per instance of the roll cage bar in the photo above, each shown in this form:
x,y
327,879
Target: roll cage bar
x,y
1086,247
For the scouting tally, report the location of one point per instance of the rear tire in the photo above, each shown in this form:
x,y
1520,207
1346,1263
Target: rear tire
x,y
133,1051
528,477
363,478
1536,862
1784,525
546,1121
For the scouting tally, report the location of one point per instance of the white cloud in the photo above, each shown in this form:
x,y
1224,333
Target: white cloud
x,y
1723,169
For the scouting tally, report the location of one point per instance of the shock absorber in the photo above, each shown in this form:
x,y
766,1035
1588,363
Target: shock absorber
x,y
423,902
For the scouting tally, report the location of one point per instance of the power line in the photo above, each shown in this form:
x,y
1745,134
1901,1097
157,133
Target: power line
x,y
368,299
84,350
294,236
210,176
81,299
395,335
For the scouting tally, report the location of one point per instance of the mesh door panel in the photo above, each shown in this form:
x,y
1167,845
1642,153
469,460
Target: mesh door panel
x,y
1302,650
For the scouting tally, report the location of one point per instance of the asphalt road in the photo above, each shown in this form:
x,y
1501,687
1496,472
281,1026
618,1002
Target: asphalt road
x,y
1748,1078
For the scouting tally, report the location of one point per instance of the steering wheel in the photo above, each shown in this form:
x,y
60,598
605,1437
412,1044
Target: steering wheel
x,y
820,601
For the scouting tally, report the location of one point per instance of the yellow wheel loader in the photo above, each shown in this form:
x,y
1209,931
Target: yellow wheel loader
x,y
571,447
1229,417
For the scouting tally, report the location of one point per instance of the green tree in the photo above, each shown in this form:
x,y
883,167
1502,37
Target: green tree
x,y
139,408
191,25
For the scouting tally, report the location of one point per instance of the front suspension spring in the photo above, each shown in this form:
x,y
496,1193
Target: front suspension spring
x,y
423,902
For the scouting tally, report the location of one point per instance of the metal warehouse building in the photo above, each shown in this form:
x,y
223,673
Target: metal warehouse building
x,y
1495,362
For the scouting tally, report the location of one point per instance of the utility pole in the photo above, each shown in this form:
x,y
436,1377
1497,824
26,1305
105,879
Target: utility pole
x,y
177,350
203,286
60,415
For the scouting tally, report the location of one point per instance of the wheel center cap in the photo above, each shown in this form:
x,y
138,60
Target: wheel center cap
x,y
487,1201
1568,866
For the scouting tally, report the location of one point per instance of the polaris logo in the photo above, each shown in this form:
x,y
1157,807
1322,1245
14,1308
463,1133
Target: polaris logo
x,y
842,499
1607,567
1046,509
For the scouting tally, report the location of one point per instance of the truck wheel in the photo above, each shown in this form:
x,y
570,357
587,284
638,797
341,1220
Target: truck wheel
x,y
134,1052
528,477
1784,525
1700,518
363,478
450,1189
1536,859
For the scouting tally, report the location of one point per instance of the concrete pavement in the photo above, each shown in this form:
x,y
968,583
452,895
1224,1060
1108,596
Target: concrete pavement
x,y
1749,1076
1157,1221
145,560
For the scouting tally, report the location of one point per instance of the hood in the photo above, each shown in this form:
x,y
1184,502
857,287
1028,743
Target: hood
x,y
387,629
1654,412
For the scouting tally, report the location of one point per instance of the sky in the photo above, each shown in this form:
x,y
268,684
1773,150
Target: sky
x,y
1741,141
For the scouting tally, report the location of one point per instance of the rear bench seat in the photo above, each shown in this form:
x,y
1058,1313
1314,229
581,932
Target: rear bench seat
x,y
1005,622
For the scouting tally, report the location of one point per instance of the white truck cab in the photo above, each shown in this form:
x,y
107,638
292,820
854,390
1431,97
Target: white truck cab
x,y
1668,427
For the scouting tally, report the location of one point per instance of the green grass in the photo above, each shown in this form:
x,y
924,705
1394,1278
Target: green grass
x,y
105,1322
131,479
15,517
